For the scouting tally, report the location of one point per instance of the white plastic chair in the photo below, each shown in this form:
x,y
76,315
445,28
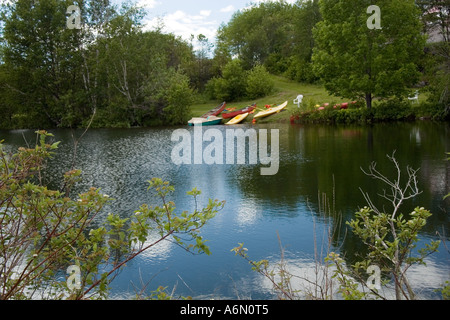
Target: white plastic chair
x,y
415,98
299,100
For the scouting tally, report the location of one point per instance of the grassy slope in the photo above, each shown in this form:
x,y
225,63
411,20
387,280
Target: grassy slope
x,y
285,90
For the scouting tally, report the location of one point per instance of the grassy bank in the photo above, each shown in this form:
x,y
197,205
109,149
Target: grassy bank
x,y
287,90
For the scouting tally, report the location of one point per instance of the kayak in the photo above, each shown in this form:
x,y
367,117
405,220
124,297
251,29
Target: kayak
x,y
209,121
216,111
209,118
230,115
238,119
271,111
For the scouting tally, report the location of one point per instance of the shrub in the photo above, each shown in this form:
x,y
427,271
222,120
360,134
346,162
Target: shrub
x,y
391,239
236,83
216,88
180,97
235,80
300,70
276,63
393,110
231,86
259,83
431,110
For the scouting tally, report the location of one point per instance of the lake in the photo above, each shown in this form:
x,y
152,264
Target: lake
x,y
318,185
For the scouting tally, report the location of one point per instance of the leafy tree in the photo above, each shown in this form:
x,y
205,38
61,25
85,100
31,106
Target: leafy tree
x,y
179,97
277,35
254,34
232,85
41,58
299,66
109,70
201,69
435,17
357,62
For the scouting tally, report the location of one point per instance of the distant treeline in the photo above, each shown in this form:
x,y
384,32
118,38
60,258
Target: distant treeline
x,y
111,73
54,76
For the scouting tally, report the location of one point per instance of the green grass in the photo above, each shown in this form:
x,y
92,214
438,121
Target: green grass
x,y
285,90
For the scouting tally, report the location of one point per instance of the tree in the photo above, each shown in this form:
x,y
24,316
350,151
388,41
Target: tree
x,y
254,34
358,62
201,70
41,58
109,69
299,63
45,232
436,22
232,85
179,97
277,35
435,17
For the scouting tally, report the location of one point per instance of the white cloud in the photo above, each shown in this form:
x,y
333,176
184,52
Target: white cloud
x,y
256,3
183,24
205,13
148,4
230,8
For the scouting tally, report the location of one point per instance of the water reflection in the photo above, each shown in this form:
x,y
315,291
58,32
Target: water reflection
x,y
248,213
314,281
314,160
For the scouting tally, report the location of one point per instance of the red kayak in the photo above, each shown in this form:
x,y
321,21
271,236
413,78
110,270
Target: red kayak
x,y
215,112
233,114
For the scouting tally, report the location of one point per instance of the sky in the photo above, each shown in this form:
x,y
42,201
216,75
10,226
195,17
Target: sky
x,y
186,17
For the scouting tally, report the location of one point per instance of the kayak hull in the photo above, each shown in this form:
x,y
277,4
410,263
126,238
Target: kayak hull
x,y
270,111
238,119
231,115
210,121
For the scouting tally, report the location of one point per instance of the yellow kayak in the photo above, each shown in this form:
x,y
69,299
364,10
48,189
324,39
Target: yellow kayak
x,y
238,119
271,111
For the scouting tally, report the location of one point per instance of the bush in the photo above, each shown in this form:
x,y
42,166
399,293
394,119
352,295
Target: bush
x,y
276,63
391,240
180,97
216,88
393,110
431,110
236,83
353,115
231,86
235,80
300,70
259,83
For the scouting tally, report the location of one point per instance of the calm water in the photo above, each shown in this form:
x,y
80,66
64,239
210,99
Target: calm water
x,y
314,160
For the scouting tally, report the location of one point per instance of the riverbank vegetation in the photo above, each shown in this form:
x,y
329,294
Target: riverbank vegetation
x,y
390,238
112,73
